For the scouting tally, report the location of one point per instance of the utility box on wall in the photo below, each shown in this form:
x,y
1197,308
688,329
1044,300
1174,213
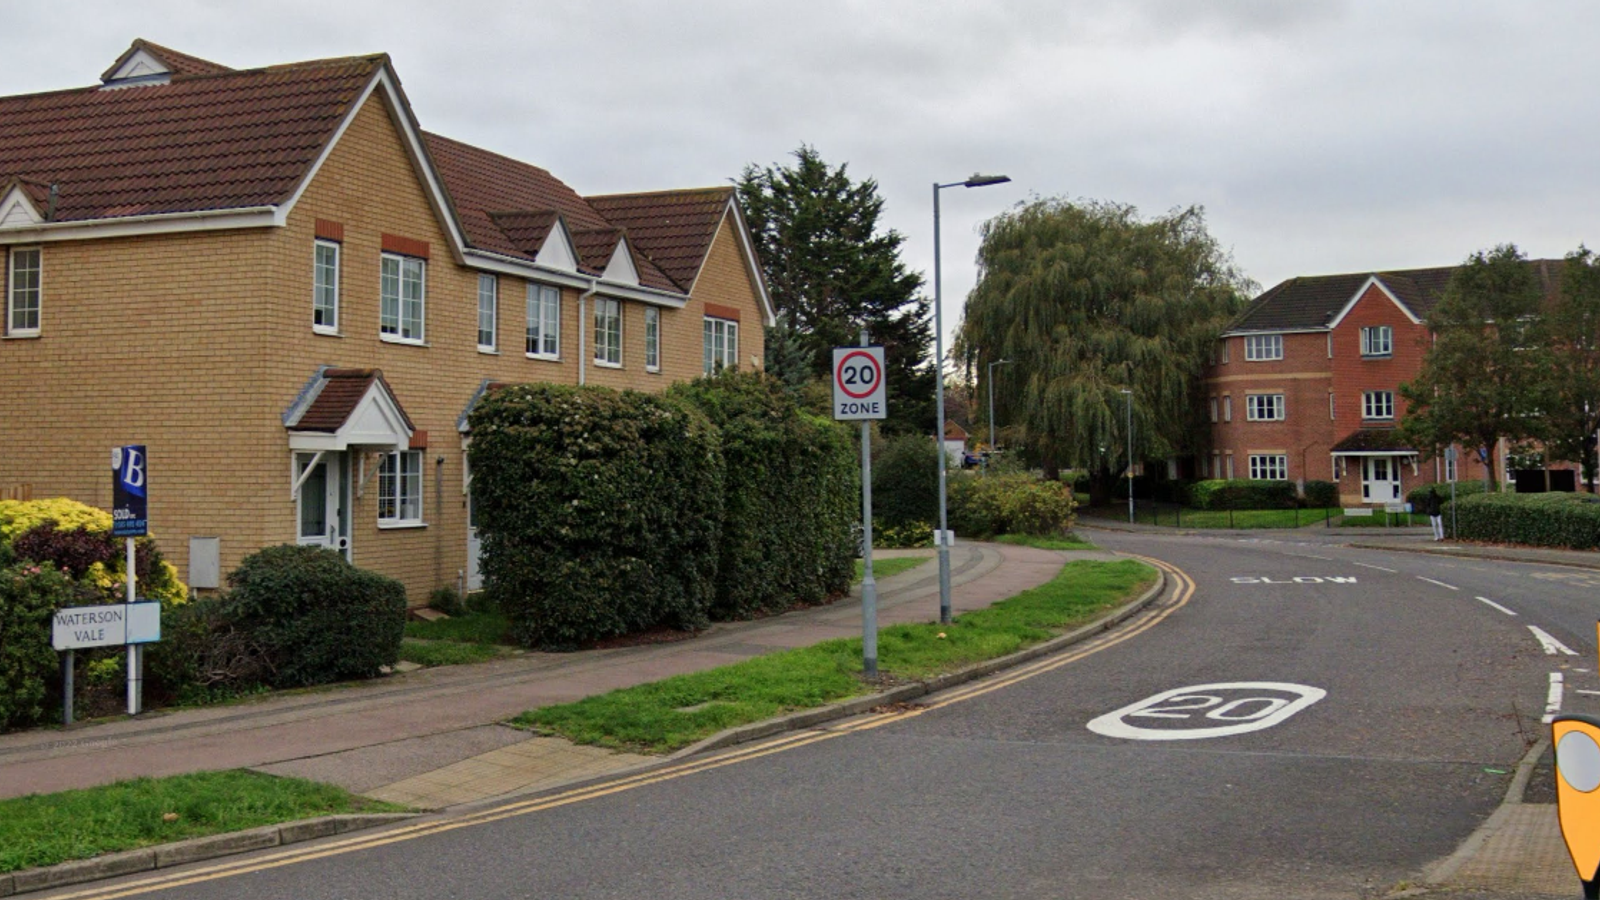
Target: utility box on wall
x,y
205,563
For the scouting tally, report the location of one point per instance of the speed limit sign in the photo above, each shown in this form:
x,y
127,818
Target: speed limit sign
x,y
859,391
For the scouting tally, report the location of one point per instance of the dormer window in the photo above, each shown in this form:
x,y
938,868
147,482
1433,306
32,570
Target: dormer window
x,y
140,67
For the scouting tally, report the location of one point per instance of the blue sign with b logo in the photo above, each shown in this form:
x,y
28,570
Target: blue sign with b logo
x,y
129,491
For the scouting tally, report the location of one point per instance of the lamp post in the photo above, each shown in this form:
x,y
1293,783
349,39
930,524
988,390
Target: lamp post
x,y
998,362
1129,394
938,371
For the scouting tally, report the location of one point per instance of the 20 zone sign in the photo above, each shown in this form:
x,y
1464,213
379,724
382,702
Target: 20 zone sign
x,y
858,385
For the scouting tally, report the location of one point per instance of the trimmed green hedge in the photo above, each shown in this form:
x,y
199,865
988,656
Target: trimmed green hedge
x,y
789,500
1242,493
29,597
601,511
1321,495
1463,489
1541,520
1018,503
315,617
905,481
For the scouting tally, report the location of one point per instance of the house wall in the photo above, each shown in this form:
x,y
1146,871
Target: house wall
x,y
195,344
1303,436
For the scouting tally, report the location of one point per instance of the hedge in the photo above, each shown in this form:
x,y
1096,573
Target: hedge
x,y
905,481
315,617
78,537
1241,493
1463,489
601,511
29,596
1541,520
1019,503
1321,495
790,496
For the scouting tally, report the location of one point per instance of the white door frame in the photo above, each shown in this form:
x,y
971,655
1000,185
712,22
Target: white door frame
x,y
1376,487
331,496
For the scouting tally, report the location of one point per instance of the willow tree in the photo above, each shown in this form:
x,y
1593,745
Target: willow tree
x,y
1087,299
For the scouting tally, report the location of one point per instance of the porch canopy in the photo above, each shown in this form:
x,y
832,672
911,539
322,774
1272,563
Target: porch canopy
x,y
1373,442
348,409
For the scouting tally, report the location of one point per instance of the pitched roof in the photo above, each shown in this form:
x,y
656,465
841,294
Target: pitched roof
x,y
673,228
337,393
1372,440
179,63
227,140
1313,302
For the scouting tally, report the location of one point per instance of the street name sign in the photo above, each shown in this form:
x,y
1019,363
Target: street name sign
x,y
79,627
860,390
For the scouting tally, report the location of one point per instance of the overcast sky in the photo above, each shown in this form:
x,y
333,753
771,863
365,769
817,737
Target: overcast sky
x,y
1319,136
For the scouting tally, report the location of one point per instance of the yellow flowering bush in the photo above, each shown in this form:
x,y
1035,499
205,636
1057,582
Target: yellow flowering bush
x,y
17,517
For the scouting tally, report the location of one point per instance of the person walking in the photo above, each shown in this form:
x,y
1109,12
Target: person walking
x,y
1434,508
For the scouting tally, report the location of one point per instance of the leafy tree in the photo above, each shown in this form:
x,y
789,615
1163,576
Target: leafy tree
x,y
831,269
1484,376
1086,299
1572,416
787,356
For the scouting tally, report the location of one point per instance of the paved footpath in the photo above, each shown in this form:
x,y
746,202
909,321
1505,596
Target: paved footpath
x,y
429,738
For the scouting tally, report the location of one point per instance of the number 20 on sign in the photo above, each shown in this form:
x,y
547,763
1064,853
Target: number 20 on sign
x,y
859,389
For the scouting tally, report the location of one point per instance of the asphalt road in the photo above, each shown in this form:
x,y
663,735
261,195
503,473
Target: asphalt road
x,y
1370,712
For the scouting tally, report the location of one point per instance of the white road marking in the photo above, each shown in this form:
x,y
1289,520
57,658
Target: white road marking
x,y
1497,606
1552,703
1582,691
1379,568
1245,705
1551,645
1311,556
1439,583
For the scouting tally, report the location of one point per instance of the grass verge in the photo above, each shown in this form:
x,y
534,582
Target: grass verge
x,y
447,653
472,628
884,568
1214,518
1070,542
45,829
673,713
1381,519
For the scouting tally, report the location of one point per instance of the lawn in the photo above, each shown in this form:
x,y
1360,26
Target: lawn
x,y
45,829
1070,542
1214,518
472,628
1381,519
663,716
448,653
889,566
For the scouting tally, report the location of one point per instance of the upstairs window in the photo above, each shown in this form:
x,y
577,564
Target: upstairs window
x,y
1263,407
402,298
721,345
325,288
544,321
652,339
1377,405
1261,347
488,311
1377,340
607,331
23,293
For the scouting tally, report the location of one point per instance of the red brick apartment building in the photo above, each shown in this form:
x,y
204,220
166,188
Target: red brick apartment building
x,y
1305,386
292,295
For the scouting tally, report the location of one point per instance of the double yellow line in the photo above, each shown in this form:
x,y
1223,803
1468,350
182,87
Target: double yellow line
x,y
1182,589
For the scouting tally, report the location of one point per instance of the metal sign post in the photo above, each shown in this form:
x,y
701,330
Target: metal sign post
x,y
1450,457
130,519
859,393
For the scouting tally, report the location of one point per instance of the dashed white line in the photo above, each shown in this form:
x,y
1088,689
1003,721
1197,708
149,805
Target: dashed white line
x,y
1497,606
1582,691
1552,704
1379,568
1311,556
1439,583
1551,645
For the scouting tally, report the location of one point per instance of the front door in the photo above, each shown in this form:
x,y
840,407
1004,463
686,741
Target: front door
x,y
1380,479
319,506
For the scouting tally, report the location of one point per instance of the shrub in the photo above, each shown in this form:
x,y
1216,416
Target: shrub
x,y
447,601
203,655
74,551
1321,495
1010,504
789,496
1463,489
29,596
1240,493
316,617
78,537
1543,520
909,535
18,516
601,511
905,480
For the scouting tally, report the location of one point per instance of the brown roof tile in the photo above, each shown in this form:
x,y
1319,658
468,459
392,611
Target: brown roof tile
x,y
481,183
673,228
342,390
526,230
203,142
1372,440
179,63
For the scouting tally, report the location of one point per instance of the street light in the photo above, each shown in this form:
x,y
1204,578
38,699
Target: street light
x,y
998,362
1129,394
938,371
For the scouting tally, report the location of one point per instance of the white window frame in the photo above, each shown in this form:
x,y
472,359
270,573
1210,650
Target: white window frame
x,y
1264,407
1377,341
721,348
1377,405
33,308
488,313
608,332
1269,467
402,319
652,339
400,489
325,288
542,339
1263,347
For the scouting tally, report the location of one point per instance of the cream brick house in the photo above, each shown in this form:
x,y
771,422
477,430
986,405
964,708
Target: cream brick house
x,y
292,295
